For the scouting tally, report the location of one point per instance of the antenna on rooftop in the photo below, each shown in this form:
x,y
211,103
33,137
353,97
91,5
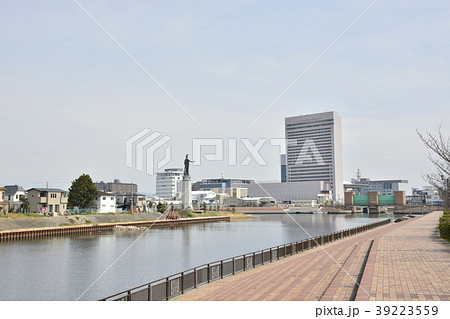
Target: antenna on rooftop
x,y
358,175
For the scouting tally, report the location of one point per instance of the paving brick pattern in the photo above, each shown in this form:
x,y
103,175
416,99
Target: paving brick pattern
x,y
402,261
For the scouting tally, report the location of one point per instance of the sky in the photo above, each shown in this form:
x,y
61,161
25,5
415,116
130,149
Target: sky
x,y
80,78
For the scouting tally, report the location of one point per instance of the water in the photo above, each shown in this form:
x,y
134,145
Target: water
x,y
64,268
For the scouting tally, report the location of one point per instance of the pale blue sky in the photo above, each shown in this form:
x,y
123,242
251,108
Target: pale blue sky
x,y
70,97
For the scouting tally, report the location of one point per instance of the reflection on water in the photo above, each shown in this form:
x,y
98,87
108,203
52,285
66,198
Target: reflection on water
x,y
63,268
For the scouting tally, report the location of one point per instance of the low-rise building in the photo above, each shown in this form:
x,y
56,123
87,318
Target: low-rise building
x,y
364,185
168,183
116,186
203,197
289,191
249,202
105,203
136,203
239,192
13,195
3,203
427,195
51,201
222,183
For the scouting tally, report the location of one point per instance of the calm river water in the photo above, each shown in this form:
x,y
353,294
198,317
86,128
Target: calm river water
x,y
63,268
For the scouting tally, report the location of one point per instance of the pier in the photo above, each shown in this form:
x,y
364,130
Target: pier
x,y
404,261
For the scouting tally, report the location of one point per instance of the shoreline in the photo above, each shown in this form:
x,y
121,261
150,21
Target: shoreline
x,y
15,222
32,233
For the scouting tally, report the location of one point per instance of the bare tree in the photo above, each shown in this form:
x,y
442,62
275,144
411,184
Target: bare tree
x,y
440,179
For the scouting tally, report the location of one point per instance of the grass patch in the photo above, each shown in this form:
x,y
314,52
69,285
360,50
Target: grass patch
x,y
34,215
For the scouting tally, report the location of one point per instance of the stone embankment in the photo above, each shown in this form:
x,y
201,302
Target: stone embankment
x,y
14,221
91,228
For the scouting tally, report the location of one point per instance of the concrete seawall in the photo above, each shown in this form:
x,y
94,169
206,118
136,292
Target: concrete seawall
x,y
31,233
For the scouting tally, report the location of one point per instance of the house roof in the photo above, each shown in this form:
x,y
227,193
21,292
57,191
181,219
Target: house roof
x,y
2,188
53,190
12,189
105,194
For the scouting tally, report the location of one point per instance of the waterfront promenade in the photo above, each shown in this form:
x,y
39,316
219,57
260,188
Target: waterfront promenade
x,y
401,261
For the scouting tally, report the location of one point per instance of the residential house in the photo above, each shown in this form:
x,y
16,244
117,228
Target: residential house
x,y
105,203
135,202
13,194
51,201
3,203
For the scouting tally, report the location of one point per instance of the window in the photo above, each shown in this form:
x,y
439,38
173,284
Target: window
x,y
104,198
50,208
57,208
42,194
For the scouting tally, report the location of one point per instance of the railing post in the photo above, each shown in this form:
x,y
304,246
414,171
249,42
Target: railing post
x,y
167,288
182,283
221,269
234,267
262,257
244,261
285,251
195,277
129,295
254,260
208,275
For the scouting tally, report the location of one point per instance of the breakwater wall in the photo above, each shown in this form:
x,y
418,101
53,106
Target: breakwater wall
x,y
33,233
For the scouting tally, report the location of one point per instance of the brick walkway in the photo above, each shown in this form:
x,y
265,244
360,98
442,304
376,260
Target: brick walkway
x,y
402,261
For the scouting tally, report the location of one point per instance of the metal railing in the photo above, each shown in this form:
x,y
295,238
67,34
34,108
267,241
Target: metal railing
x,y
177,284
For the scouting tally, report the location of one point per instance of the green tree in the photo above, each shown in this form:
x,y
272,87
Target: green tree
x,y
161,207
82,192
25,206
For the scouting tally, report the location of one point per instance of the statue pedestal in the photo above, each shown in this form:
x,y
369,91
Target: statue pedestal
x,y
186,192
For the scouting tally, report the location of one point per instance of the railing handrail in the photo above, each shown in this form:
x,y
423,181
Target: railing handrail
x,y
208,265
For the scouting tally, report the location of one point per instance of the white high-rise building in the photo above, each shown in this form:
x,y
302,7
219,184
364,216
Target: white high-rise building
x,y
168,183
314,150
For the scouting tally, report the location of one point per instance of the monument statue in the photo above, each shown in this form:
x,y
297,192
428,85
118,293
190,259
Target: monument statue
x,y
186,187
186,165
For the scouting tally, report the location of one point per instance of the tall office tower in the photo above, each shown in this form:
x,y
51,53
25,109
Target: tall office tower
x,y
314,150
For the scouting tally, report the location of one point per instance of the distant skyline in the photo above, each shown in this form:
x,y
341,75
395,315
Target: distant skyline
x,y
70,97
